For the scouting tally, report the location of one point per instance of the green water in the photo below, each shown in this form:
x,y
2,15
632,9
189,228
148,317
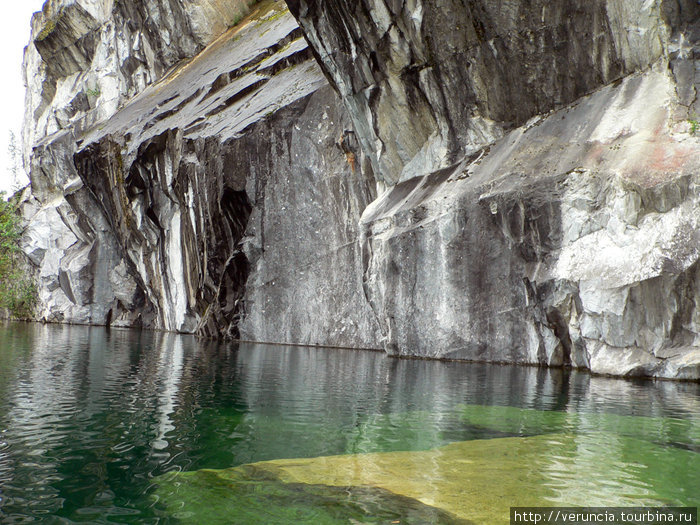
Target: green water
x,y
139,427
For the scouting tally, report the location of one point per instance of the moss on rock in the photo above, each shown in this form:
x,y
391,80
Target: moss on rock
x,y
49,26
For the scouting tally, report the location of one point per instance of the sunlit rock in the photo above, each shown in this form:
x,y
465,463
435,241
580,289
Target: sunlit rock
x,y
504,182
470,481
541,166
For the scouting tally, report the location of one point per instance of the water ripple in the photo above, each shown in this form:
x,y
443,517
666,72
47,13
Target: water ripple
x,y
89,418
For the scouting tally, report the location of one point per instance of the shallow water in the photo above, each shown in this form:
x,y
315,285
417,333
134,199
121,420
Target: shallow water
x,y
141,427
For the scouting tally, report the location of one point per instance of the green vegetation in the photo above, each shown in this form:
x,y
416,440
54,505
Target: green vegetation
x,y
243,13
17,291
93,92
46,30
236,20
694,126
277,14
49,26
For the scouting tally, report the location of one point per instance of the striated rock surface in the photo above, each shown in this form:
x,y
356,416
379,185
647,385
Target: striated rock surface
x,y
88,57
428,82
573,240
570,240
236,206
225,202
498,181
85,60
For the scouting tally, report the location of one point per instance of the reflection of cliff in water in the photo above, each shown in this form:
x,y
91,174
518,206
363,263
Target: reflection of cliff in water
x,y
174,376
90,416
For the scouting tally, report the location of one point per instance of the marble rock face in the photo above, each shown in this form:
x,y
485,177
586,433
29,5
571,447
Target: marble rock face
x,y
222,200
496,181
571,240
541,167
86,58
427,83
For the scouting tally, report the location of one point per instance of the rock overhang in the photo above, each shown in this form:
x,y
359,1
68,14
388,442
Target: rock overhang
x,y
248,73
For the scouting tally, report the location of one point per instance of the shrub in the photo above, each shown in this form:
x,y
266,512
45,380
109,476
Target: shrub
x,y
17,290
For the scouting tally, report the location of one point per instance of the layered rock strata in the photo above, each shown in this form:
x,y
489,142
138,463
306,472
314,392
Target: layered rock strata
x,y
226,196
569,240
231,198
427,83
505,182
86,59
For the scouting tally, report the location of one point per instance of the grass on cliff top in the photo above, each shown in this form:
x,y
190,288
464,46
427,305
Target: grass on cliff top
x,y
243,13
17,290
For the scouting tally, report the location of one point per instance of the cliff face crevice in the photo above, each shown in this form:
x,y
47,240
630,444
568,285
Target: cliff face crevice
x,y
505,182
86,59
224,195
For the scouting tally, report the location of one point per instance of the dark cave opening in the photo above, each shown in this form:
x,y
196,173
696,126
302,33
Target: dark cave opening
x,y
235,210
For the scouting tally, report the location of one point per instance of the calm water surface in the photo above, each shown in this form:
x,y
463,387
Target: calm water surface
x,y
140,427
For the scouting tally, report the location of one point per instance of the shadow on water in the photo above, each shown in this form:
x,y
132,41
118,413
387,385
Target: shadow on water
x,y
91,420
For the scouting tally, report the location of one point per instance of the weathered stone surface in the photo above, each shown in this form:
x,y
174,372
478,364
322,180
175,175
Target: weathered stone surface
x,y
510,181
230,198
569,240
86,59
573,240
428,82
305,282
79,266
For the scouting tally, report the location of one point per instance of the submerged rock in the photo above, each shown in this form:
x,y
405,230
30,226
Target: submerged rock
x,y
475,481
248,495
684,433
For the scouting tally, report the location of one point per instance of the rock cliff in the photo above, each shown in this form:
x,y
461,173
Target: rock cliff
x,y
86,59
216,200
505,182
541,163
